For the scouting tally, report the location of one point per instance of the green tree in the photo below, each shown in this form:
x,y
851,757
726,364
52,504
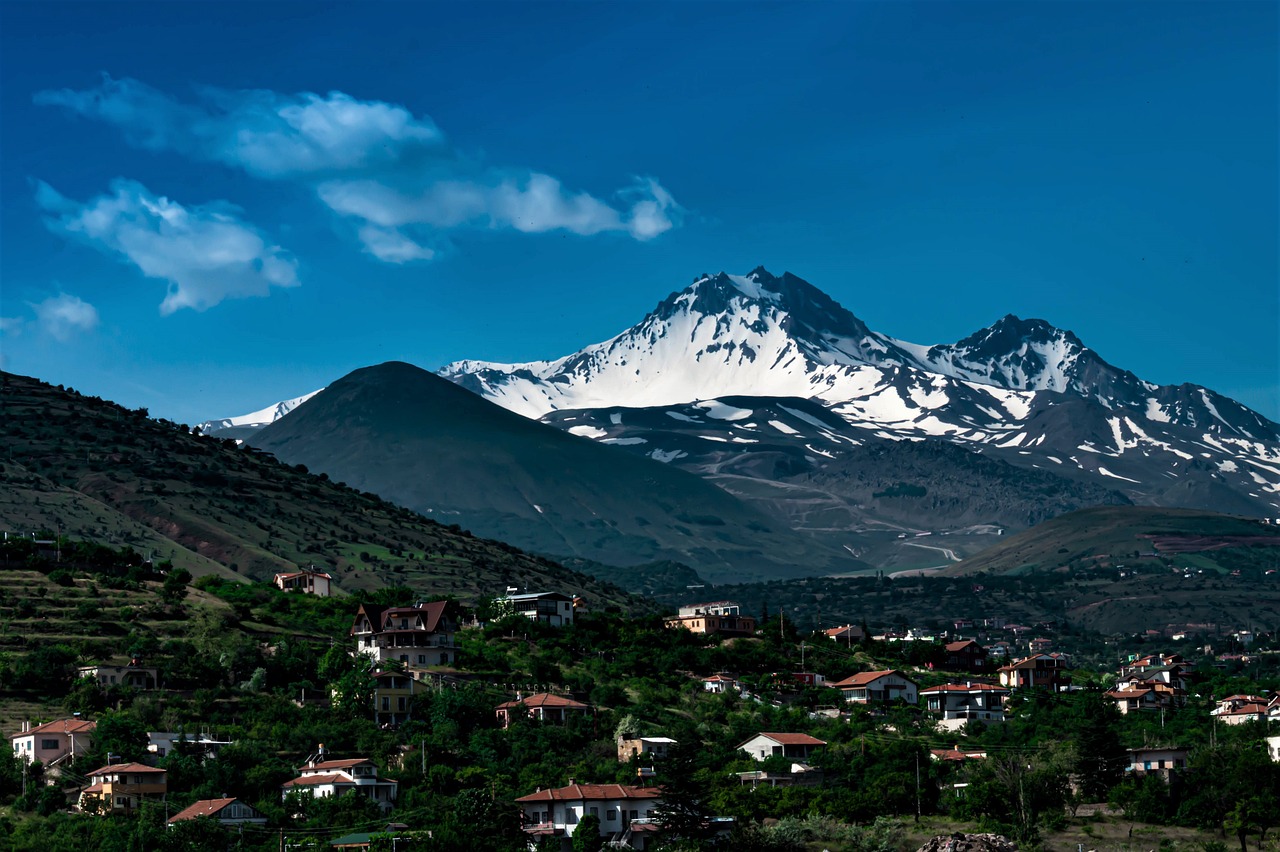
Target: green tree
x,y
586,836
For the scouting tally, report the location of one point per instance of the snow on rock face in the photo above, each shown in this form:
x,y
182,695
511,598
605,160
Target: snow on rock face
x,y
257,419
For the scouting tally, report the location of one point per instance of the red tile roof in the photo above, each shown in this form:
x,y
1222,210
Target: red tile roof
x,y
953,647
791,739
864,678
338,764
592,792
312,780
126,768
202,808
543,699
961,687
59,726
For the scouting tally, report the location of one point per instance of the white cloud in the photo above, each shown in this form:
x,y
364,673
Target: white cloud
x,y
376,163
266,133
10,325
63,316
205,254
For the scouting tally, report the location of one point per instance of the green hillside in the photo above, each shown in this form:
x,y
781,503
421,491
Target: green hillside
x,y
86,468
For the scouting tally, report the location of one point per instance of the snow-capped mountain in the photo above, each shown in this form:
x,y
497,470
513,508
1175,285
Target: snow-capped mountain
x,y
256,419
1022,390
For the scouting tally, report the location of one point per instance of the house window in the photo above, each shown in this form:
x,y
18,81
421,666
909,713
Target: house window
x,y
404,658
595,812
122,802
386,703
400,704
47,745
611,814
422,659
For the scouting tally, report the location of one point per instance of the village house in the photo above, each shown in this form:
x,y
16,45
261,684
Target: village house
x,y
558,813
795,746
53,743
1040,671
1273,748
1133,698
418,635
1242,714
630,746
882,687
1163,761
307,581
961,703
847,634
956,755
134,675
393,694
163,743
122,788
1039,646
541,707
799,775
722,617
322,778
227,812
721,682
550,608
965,655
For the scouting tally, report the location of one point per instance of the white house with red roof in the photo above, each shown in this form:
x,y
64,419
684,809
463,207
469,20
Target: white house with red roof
x,y
418,635
542,707
225,811
795,746
322,778
880,687
960,703
558,813
53,743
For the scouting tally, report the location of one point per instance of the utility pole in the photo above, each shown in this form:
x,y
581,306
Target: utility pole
x,y
917,786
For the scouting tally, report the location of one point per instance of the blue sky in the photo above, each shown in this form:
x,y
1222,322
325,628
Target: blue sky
x,y
209,207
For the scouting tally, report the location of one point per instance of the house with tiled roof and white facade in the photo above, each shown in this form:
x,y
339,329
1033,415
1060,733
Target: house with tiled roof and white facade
x,y
421,635
123,787
321,777
557,813
542,707
53,743
880,687
961,703
794,746
228,811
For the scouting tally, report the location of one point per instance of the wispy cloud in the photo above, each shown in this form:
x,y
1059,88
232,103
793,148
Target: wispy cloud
x,y
392,173
205,253
263,132
10,325
64,316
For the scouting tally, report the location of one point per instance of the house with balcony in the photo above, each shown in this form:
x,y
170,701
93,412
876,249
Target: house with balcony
x,y
881,687
121,788
322,777
308,581
226,812
550,608
653,748
543,707
625,813
393,694
421,635
202,745
718,617
794,746
1039,671
961,703
53,743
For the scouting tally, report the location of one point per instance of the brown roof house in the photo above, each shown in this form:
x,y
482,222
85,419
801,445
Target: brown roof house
x,y
795,746
1039,671
625,813
965,656
961,703
225,811
308,582
880,687
322,778
543,707
418,635
722,617
122,788
53,743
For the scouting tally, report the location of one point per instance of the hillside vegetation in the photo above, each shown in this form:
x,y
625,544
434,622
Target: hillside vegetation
x,y
86,468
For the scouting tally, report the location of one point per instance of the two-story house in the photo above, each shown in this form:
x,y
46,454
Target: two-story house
x,y
53,743
1162,761
722,617
542,707
419,635
880,687
393,694
123,787
550,608
960,703
558,813
133,675
1039,671
965,655
321,777
630,746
